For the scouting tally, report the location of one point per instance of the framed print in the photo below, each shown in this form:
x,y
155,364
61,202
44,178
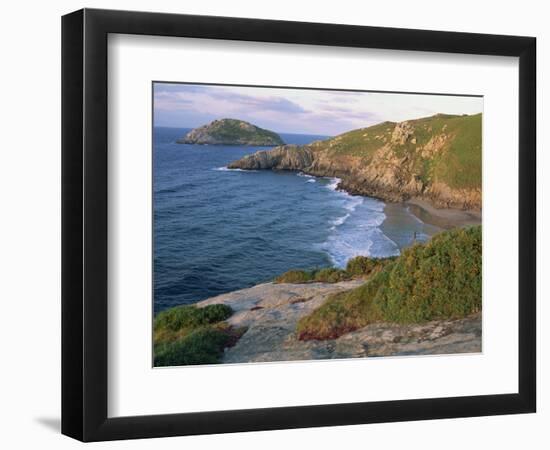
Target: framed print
x,y
274,224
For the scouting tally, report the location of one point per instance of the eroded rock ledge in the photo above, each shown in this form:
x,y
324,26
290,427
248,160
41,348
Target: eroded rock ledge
x,y
271,312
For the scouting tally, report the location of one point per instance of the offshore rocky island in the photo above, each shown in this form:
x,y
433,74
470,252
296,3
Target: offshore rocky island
x,y
427,300
231,132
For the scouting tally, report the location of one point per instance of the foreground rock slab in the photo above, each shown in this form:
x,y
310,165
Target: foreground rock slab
x,y
272,311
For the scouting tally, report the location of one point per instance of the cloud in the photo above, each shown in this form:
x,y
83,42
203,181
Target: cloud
x,y
179,87
311,111
169,102
278,104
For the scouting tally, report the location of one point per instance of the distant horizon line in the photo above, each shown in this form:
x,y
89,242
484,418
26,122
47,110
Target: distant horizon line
x,y
324,135
278,132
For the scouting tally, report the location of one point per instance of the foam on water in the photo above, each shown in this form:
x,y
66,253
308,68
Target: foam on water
x,y
333,184
357,231
227,169
339,221
346,242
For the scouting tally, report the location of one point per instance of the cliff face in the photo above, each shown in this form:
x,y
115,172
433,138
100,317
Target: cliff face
x,y
285,157
436,158
231,132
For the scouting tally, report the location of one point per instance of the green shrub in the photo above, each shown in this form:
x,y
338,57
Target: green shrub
x,y
175,319
363,265
190,335
325,275
330,275
359,266
201,346
295,276
437,280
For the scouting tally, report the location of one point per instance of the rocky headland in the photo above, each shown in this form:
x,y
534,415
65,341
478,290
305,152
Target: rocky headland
x,y
231,132
436,159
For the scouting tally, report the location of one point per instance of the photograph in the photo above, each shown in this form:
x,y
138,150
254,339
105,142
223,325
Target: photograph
x,y
300,224
266,225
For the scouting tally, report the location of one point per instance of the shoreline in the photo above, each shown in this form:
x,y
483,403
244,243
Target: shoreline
x,y
436,219
423,210
446,218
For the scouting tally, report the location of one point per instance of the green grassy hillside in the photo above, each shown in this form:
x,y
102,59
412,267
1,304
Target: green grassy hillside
x,y
437,280
457,163
437,159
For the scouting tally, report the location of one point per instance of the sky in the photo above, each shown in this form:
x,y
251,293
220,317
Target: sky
x,y
303,111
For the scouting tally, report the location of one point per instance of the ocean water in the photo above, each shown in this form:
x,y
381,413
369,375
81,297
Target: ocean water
x,y
218,230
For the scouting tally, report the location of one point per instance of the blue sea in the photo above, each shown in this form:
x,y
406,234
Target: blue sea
x,y
218,230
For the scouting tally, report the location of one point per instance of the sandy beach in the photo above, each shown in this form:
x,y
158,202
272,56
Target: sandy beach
x,y
443,218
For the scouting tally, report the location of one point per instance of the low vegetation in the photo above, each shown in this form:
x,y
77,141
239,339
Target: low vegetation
x,y
189,335
358,267
458,165
440,279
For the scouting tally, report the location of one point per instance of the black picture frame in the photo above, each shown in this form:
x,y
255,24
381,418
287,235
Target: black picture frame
x,y
84,224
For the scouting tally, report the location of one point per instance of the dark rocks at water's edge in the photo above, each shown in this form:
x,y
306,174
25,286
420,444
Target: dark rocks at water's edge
x,y
286,157
388,161
231,132
382,184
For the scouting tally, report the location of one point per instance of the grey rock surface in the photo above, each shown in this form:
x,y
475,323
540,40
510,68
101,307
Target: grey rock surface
x,y
271,312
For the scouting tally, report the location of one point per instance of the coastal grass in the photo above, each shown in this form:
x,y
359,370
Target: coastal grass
x,y
362,142
325,275
189,335
358,267
461,166
440,279
201,346
458,165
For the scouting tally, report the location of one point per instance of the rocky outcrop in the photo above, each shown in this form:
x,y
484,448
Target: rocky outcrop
x,y
399,162
443,196
286,157
231,132
270,313
402,133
